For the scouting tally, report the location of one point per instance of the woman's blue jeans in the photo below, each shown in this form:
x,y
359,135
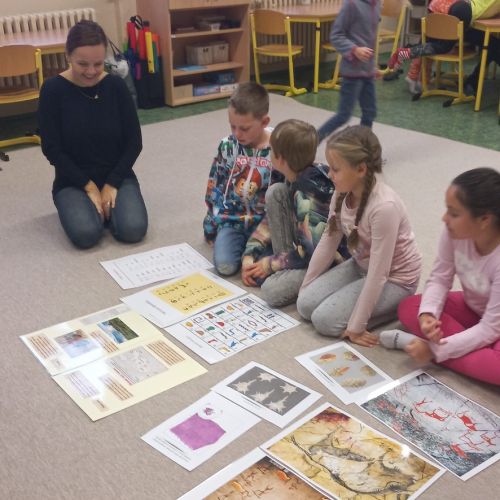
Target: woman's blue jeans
x,y
83,224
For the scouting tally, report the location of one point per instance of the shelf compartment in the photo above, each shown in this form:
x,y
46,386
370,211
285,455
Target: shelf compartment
x,y
192,34
209,68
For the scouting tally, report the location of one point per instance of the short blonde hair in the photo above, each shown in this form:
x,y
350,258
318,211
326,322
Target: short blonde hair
x,y
296,142
250,98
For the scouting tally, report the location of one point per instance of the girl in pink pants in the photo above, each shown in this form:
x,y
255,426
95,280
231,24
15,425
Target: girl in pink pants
x,y
460,330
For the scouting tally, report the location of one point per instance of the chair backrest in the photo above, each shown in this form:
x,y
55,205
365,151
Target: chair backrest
x,y
269,22
18,60
392,8
442,26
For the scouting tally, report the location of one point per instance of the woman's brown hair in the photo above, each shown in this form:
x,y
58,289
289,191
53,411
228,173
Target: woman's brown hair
x,y
85,33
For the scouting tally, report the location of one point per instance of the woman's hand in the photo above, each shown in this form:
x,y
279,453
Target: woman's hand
x,y
108,198
365,338
95,197
431,328
420,351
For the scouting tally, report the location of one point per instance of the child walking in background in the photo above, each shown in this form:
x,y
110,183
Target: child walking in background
x,y
364,291
239,177
354,35
279,250
461,328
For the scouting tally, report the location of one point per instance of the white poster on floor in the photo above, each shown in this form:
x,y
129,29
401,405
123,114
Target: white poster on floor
x,y
178,299
199,431
161,264
228,328
267,393
74,343
344,371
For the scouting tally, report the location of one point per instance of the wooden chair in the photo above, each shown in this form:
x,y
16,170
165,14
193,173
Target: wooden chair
x,y
265,23
333,83
395,9
446,27
18,63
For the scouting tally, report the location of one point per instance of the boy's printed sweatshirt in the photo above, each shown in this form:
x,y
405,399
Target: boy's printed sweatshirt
x,y
237,184
310,195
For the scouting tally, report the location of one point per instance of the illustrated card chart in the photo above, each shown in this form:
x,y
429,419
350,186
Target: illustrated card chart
x,y
80,341
254,476
458,433
345,458
130,376
178,299
344,371
160,264
266,393
224,330
195,434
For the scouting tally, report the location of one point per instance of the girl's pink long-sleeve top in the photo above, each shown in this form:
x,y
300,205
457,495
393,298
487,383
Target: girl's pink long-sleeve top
x,y
479,276
386,250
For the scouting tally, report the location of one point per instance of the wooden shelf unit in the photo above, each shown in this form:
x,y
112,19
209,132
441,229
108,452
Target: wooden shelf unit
x,y
165,15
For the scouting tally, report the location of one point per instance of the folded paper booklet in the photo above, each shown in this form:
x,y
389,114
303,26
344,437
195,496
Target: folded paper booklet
x,y
74,343
175,300
110,360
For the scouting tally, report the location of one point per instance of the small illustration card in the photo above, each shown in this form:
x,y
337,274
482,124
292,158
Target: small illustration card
x,y
266,393
163,263
229,328
345,458
128,376
71,344
344,371
254,476
458,433
178,299
199,431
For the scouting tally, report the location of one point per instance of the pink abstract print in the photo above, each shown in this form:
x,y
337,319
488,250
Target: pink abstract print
x,y
197,432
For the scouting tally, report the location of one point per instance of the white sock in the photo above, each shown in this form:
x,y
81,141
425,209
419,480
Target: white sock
x,y
396,339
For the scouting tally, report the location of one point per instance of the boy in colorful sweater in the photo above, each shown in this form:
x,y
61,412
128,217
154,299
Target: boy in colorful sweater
x,y
239,177
278,251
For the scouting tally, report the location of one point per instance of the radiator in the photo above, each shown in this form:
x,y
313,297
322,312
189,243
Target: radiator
x,y
44,21
302,33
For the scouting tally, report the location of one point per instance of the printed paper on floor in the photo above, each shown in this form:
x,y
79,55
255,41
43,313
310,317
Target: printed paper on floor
x,y
267,393
161,264
195,434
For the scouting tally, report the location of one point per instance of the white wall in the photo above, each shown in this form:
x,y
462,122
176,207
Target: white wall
x,y
111,14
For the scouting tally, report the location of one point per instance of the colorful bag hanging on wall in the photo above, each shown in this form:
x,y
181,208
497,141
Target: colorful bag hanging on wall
x,y
143,54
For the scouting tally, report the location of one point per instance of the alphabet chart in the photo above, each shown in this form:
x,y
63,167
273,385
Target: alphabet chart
x,y
231,327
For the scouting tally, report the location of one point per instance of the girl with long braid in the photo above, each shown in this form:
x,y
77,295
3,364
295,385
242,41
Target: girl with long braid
x,y
364,291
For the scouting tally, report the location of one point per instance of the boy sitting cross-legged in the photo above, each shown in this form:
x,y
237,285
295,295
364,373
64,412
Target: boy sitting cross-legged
x,y
278,251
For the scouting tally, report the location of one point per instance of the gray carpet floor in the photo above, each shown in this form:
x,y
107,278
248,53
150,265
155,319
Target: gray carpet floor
x,y
49,449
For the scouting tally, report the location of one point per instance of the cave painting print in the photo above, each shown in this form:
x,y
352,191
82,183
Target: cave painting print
x,y
349,460
456,432
264,479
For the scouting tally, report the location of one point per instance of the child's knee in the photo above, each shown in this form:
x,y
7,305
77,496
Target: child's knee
x,y
226,268
327,323
305,305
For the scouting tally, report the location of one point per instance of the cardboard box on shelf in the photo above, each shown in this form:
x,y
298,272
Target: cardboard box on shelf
x,y
199,53
183,91
220,51
206,89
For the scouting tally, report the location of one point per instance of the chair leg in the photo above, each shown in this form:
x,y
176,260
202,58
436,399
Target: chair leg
x,y
333,82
